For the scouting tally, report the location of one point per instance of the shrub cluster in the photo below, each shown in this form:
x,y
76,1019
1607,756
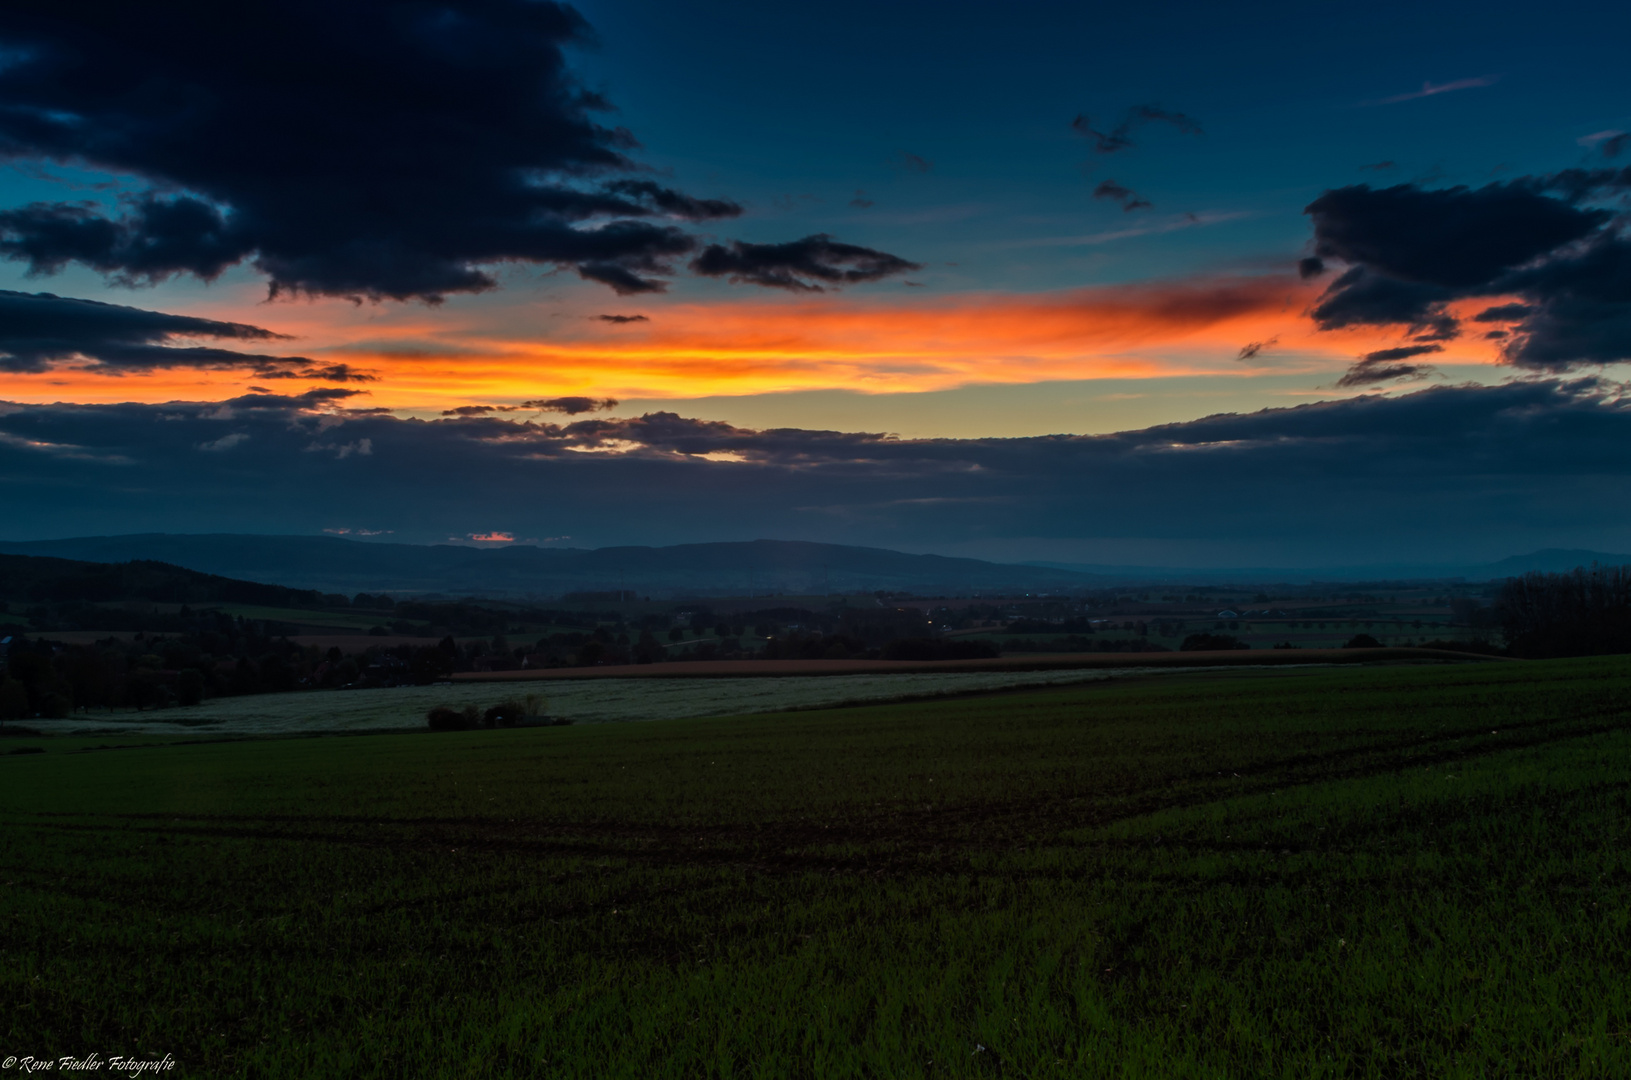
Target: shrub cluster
x,y
505,714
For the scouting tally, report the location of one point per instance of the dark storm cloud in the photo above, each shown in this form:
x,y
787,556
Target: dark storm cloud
x,y
1402,353
571,406
807,265
1535,458
1384,365
1412,251
379,149
1504,313
623,319
673,202
311,399
623,281
326,373
1120,137
1582,303
1359,297
1366,373
480,410
1451,238
153,239
1577,184
1126,196
38,330
1615,144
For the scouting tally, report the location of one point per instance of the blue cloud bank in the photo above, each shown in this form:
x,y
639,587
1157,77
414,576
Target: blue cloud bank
x,y
1425,476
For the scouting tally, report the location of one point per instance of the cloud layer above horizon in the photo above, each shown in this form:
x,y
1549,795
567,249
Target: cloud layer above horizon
x,y
1370,479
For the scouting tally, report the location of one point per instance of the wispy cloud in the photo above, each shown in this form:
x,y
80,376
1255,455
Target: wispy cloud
x,y
1121,193
1610,142
225,442
1480,458
1121,136
1174,224
1252,349
69,451
1430,89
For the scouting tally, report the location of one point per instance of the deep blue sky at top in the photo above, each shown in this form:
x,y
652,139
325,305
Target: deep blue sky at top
x,y
792,108
773,103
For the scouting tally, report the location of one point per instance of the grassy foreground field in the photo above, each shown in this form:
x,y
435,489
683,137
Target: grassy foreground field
x,y
1369,872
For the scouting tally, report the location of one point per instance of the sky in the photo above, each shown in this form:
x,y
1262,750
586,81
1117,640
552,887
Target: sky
x,y
938,277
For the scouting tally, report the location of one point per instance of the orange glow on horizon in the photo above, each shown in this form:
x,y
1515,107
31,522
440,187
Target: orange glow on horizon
x,y
439,358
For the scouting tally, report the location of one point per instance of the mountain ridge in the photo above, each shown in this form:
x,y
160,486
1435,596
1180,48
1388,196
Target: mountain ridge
x,y
340,564
336,564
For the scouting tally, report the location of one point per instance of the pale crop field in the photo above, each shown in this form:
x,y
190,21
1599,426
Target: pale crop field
x,y
586,701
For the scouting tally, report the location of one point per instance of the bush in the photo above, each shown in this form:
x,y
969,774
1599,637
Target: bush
x,y
505,714
1362,641
442,718
1211,643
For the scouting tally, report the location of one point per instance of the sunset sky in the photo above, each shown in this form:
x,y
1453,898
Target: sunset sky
x,y
383,268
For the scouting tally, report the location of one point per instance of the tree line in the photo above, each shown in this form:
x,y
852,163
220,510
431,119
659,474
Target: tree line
x,y
1584,612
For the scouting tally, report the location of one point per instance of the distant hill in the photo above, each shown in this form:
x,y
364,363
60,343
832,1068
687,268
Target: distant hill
x,y
333,564
43,579
1553,560
338,565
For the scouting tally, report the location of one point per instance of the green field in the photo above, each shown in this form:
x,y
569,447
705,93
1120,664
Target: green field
x,y
1370,872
